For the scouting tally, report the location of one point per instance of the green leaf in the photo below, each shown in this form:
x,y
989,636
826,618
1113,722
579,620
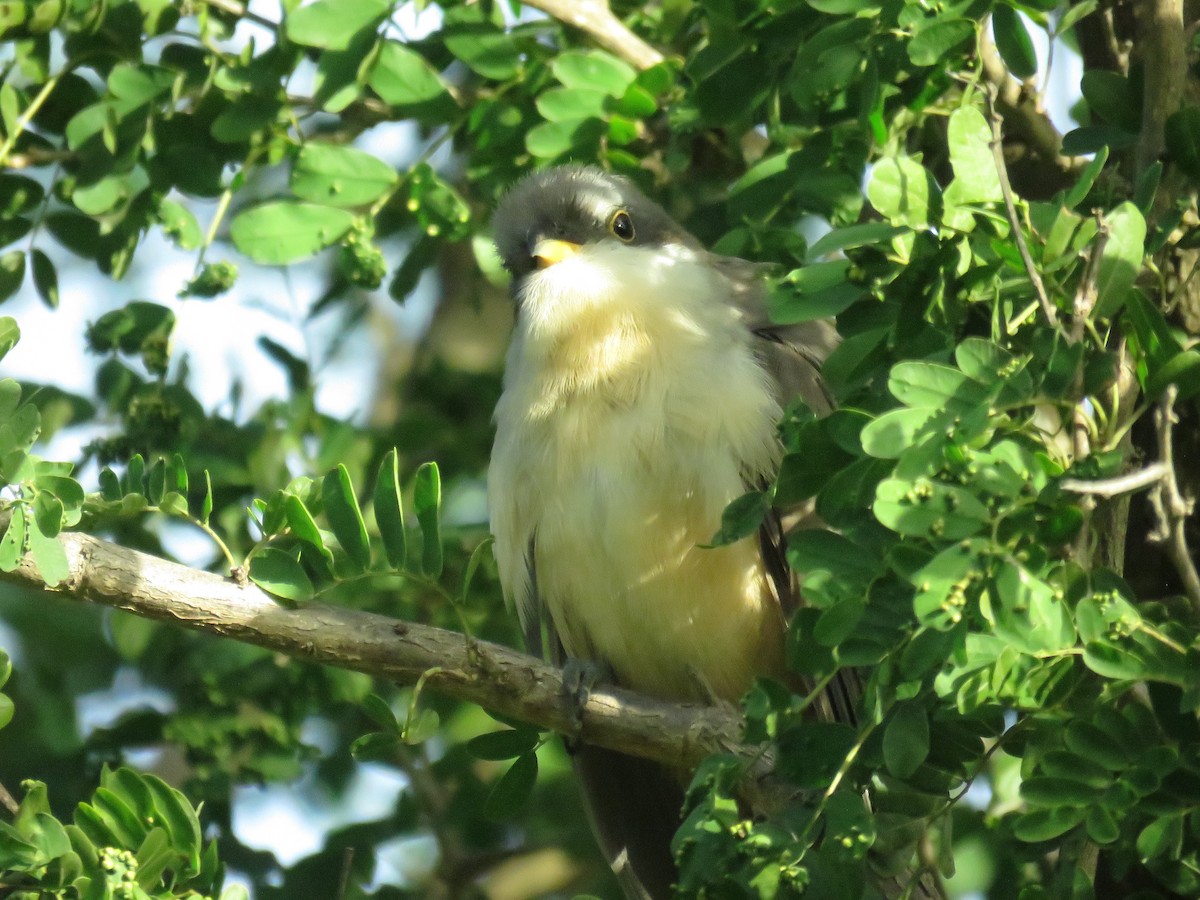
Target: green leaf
x,y
852,236
1094,745
570,104
1183,139
381,713
549,140
969,138
19,194
206,506
9,334
345,517
389,511
1182,370
49,556
512,791
12,273
377,745
246,117
176,814
1079,191
1073,14
507,744
300,521
593,70
331,24
741,518
406,80
45,278
928,509
281,574
283,231
906,740
985,362
1101,826
903,191
427,502
421,726
1046,824
7,708
1051,791
482,550
926,385
340,176
946,584
1162,837
1121,260
479,42
157,481
48,514
1094,138
12,545
1013,42
938,39
1030,615
1110,96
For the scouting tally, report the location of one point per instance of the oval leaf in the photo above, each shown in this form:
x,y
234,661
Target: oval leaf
x,y
345,518
281,574
284,231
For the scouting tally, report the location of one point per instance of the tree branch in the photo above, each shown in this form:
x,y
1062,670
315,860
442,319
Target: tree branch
x,y
1170,506
1122,484
595,18
1162,45
502,680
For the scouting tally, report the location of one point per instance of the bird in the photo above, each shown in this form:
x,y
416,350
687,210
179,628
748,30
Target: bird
x,y
642,392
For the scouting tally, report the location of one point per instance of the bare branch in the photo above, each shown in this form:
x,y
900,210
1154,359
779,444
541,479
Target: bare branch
x,y
1170,506
1122,484
595,18
1010,207
503,680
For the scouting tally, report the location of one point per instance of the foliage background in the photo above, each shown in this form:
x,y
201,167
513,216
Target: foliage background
x,y
1006,350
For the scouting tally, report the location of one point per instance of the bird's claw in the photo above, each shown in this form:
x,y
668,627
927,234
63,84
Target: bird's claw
x,y
579,677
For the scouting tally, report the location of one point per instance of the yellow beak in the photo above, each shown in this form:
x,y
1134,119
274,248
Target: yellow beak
x,y
548,252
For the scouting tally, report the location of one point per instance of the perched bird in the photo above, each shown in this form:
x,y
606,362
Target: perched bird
x,y
642,392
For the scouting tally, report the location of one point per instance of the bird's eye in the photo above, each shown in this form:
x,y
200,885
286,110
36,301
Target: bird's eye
x,y
621,225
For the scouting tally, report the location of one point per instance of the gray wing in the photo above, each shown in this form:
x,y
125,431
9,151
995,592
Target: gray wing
x,y
792,354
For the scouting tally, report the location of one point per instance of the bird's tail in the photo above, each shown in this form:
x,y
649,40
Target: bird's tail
x,y
634,805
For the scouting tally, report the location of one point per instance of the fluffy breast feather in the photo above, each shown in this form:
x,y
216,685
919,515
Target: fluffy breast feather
x,y
634,410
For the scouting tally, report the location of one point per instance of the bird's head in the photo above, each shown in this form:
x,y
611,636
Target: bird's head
x,y
557,213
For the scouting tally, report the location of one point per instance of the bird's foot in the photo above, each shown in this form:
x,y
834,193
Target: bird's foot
x,y
579,677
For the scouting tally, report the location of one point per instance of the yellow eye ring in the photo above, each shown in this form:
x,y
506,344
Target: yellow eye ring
x,y
621,226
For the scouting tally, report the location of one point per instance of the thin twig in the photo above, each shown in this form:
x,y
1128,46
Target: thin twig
x,y
1122,484
1010,208
595,18
1170,506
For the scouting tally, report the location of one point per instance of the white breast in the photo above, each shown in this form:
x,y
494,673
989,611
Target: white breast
x,y
634,411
